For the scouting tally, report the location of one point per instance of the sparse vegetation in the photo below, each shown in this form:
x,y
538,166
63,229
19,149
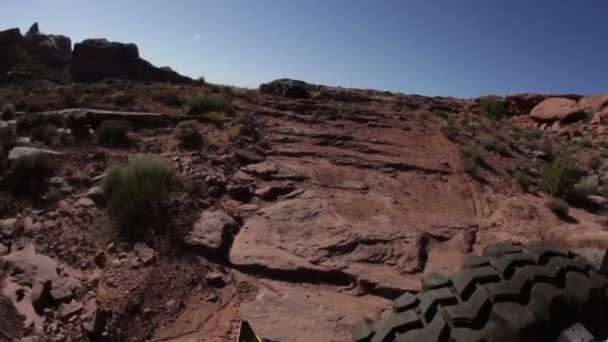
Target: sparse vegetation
x,y
473,157
46,133
525,181
495,145
8,111
188,134
448,129
234,131
169,99
559,207
211,103
559,176
216,118
27,174
492,106
113,133
136,197
29,121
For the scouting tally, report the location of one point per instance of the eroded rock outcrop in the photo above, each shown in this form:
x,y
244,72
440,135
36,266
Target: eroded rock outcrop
x,y
557,109
96,59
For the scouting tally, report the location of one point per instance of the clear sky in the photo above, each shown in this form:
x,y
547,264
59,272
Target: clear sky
x,y
444,47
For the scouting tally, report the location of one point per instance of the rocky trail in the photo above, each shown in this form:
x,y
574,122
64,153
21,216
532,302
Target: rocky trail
x,y
308,207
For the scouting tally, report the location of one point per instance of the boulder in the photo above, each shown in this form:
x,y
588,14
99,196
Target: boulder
x,y
247,157
23,151
594,103
211,232
97,59
287,88
11,321
557,109
522,104
144,253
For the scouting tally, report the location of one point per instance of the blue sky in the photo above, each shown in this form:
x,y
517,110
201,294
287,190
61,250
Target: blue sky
x,y
460,48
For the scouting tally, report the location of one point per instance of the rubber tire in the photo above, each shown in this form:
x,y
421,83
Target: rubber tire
x,y
508,294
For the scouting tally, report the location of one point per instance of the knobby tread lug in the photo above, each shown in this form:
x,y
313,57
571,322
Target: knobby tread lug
x,y
509,294
396,323
430,301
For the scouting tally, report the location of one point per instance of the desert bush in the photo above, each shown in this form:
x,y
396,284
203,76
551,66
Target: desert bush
x,y
492,106
27,175
586,143
441,114
211,103
201,80
529,133
8,111
136,197
216,118
586,186
113,133
34,107
595,162
170,99
475,154
121,99
448,129
29,121
46,133
495,145
234,131
559,207
526,182
559,176
187,132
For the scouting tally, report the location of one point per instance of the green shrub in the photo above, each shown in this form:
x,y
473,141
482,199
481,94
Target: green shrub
x,y
46,133
559,207
121,99
136,197
29,121
586,186
586,143
494,145
492,106
34,107
441,114
169,99
525,181
529,133
559,176
8,111
188,134
113,133
448,129
27,175
211,103
475,154
234,132
216,118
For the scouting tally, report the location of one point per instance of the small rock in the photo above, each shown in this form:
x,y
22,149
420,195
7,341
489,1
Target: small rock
x,y
70,309
596,200
144,253
170,304
85,202
100,259
96,195
8,227
135,263
41,296
212,297
111,247
249,207
215,279
3,250
247,157
21,151
62,289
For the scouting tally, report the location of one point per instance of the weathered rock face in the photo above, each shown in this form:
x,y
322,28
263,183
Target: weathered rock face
x,y
557,109
287,88
34,55
597,105
211,231
96,59
522,104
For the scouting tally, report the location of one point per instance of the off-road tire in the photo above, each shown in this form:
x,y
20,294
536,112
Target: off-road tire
x,y
508,294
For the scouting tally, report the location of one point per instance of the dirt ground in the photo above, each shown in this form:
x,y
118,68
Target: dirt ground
x,y
342,202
